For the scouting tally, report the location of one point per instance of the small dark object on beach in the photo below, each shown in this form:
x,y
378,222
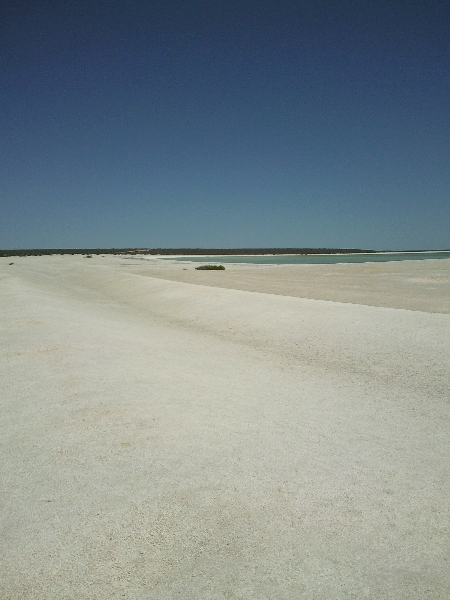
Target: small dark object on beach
x,y
88,256
210,268
11,263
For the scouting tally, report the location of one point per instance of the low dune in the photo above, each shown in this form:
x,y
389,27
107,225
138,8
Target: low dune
x,y
260,432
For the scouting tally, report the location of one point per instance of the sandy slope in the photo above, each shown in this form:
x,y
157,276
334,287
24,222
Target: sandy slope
x,y
162,439
413,285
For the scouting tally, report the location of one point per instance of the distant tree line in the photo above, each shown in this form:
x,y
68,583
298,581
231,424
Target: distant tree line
x,y
181,251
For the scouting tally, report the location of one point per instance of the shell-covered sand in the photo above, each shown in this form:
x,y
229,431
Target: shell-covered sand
x,y
261,432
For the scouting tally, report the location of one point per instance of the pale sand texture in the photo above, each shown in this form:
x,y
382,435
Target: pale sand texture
x,y
167,440
414,285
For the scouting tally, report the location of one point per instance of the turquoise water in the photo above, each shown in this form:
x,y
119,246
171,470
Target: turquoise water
x,y
314,259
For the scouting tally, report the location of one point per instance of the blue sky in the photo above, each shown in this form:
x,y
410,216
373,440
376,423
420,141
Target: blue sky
x,y
225,124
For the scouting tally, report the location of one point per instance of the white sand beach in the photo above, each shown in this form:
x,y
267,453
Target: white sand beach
x,y
258,433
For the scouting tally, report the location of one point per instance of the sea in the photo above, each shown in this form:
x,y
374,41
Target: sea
x,y
314,259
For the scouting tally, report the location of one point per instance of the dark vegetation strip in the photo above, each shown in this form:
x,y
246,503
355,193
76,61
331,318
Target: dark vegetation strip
x,y
182,251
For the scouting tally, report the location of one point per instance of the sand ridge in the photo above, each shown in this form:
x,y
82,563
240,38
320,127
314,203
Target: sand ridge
x,y
412,285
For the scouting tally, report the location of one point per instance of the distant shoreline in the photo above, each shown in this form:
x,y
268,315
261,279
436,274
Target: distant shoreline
x,y
201,251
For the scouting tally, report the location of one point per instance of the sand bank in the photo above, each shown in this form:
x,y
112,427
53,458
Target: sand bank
x,y
412,285
163,439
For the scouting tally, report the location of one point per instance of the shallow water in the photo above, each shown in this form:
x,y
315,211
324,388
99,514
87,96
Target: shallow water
x,y
308,259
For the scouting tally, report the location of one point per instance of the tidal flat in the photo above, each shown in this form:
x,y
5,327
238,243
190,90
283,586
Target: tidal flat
x,y
259,432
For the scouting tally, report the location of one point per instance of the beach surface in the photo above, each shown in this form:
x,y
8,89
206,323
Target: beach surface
x,y
261,432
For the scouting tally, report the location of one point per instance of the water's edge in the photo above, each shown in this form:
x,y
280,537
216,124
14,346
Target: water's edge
x,y
307,259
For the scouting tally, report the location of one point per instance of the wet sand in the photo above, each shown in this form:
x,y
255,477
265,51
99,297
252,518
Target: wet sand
x,y
242,438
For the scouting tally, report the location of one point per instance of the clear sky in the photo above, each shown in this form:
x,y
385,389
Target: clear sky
x,y
225,124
